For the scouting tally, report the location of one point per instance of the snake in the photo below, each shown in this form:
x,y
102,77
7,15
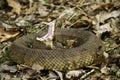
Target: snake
x,y
86,50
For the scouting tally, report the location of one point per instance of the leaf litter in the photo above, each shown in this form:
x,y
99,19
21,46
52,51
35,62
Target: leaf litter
x,y
27,16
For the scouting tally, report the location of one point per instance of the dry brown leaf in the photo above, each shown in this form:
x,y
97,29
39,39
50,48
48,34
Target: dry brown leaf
x,y
32,9
74,73
104,15
70,43
105,70
7,33
104,28
11,69
94,6
15,5
38,8
37,67
43,11
53,76
22,67
67,13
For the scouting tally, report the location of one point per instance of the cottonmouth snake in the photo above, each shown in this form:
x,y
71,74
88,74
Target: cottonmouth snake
x,y
87,50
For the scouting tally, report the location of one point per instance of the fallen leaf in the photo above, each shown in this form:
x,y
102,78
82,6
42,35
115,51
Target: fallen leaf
x,y
15,5
67,13
11,69
104,28
74,73
43,11
7,32
105,70
118,73
114,68
32,9
22,67
7,27
25,77
70,43
37,67
105,15
53,75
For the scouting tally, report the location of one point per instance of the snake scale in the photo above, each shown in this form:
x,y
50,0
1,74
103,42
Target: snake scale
x,y
87,50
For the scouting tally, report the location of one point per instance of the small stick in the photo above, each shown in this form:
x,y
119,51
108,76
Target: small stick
x,y
87,74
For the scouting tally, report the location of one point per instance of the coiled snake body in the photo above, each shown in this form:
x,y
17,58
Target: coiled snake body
x,y
86,50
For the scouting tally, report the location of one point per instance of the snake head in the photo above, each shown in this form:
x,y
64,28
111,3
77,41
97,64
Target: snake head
x,y
47,39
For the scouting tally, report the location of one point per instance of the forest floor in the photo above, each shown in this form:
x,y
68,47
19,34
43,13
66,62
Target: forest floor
x,y
21,17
